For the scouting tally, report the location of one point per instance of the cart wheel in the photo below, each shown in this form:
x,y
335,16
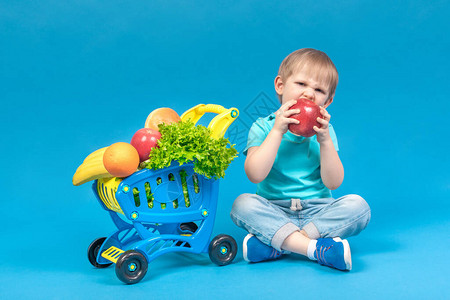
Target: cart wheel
x,y
191,226
131,267
222,250
93,249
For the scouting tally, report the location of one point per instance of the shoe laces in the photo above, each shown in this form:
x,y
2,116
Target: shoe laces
x,y
320,255
275,253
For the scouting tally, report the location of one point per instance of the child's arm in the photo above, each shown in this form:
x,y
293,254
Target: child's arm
x,y
260,159
331,168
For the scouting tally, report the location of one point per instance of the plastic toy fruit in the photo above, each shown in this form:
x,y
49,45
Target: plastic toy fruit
x,y
144,140
121,159
161,115
309,112
92,168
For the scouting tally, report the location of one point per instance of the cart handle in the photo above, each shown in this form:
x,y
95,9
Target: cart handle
x,y
219,124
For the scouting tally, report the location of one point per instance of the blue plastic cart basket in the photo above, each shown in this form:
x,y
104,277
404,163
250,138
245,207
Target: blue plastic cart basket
x,y
157,212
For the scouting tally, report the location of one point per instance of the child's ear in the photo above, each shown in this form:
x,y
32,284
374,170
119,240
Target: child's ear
x,y
328,102
279,85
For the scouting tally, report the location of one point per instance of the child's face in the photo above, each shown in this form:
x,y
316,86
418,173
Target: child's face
x,y
301,85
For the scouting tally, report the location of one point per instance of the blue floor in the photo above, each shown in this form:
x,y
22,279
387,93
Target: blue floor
x,y
394,258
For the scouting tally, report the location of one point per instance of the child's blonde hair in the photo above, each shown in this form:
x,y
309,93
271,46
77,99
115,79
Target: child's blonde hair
x,y
315,62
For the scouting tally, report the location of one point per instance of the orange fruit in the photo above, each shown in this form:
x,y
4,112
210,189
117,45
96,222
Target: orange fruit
x,y
121,159
161,115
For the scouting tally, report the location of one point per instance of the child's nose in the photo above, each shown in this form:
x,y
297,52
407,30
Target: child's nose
x,y
309,93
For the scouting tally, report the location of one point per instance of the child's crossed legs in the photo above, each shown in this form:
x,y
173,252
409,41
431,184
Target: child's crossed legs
x,y
290,225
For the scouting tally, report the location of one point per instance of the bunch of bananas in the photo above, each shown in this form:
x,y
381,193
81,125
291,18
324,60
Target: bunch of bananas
x,y
92,168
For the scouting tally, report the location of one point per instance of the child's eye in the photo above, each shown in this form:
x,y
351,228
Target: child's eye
x,y
320,91
300,83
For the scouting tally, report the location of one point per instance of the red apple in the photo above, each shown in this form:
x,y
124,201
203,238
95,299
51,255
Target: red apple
x,y
309,112
144,140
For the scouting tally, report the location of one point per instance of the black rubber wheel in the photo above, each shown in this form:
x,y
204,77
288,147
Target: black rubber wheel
x,y
222,250
187,228
191,226
131,267
93,249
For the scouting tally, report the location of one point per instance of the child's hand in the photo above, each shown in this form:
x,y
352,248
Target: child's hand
x,y
282,117
323,134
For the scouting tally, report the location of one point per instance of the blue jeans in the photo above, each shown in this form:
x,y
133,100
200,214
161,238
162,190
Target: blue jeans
x,y
273,221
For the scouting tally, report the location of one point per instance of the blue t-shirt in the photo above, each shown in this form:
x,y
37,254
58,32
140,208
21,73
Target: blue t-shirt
x,y
296,170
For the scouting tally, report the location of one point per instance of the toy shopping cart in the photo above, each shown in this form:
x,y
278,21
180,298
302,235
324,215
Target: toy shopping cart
x,y
161,211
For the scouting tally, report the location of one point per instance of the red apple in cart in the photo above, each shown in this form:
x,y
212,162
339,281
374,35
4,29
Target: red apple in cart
x,y
144,140
309,112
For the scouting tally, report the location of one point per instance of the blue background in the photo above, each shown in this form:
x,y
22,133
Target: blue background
x,y
76,76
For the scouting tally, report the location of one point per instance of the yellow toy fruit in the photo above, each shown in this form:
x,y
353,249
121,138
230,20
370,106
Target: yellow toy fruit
x,y
92,168
121,159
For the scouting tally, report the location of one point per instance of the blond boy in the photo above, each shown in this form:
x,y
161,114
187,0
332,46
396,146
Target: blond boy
x,y
293,209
